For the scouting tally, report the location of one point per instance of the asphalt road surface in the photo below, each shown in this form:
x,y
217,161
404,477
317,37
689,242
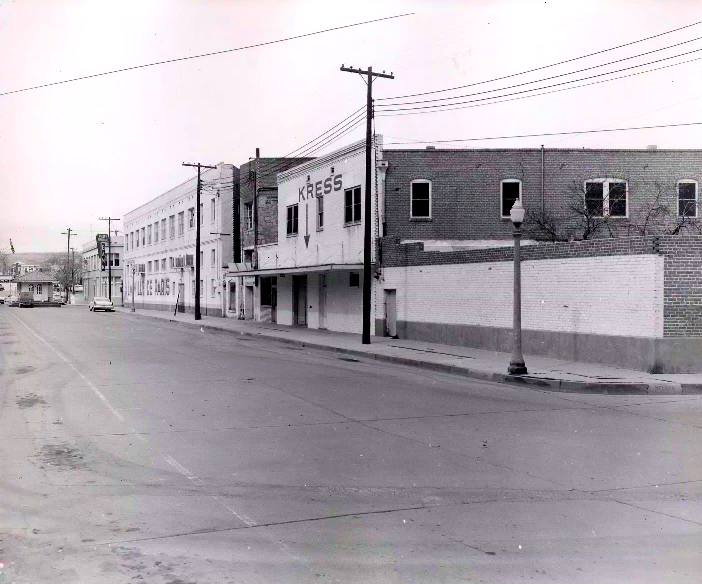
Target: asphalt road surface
x,y
133,450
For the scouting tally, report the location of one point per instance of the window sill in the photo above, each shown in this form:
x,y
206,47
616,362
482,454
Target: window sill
x,y
291,235
421,219
352,224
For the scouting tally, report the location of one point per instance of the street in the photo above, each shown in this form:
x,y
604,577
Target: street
x,y
133,450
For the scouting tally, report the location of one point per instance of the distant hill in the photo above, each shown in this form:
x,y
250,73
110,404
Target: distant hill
x,y
36,258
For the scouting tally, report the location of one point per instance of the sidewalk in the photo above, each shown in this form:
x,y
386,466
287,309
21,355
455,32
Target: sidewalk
x,y
544,373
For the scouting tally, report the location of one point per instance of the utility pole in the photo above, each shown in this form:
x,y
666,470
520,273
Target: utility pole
x,y
73,268
109,251
367,276
198,316
68,255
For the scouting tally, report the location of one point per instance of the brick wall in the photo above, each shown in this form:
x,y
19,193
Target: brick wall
x,y
683,285
265,171
466,186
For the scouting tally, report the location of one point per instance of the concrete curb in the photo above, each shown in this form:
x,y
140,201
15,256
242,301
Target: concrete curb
x,y
546,384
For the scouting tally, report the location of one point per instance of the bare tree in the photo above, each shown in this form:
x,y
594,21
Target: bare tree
x,y
588,214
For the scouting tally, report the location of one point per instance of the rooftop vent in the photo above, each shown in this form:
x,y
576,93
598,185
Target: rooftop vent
x,y
431,147
651,147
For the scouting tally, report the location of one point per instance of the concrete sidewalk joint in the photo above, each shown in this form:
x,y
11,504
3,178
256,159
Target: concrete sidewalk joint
x,y
414,359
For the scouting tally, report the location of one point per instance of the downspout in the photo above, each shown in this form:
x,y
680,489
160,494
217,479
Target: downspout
x,y
543,209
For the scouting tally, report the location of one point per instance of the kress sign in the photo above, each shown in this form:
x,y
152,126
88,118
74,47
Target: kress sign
x,y
319,188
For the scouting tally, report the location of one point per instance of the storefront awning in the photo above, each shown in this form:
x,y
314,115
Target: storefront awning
x,y
296,270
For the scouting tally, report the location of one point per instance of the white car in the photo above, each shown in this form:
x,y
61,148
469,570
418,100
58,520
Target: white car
x,y
100,303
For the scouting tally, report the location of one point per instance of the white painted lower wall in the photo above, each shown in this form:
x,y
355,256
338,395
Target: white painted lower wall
x,y
611,295
344,304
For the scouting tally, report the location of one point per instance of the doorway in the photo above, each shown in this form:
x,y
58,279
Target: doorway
x,y
322,301
274,299
248,302
232,297
181,297
300,300
391,313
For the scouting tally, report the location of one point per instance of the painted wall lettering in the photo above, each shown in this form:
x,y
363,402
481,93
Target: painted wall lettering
x,y
320,187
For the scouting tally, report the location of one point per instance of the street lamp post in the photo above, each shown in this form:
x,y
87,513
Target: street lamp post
x,y
133,270
517,365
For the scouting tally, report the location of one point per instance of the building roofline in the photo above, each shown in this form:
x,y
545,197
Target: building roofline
x,y
647,150
223,164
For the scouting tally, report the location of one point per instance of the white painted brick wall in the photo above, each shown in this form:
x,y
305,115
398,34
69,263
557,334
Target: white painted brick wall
x,y
613,295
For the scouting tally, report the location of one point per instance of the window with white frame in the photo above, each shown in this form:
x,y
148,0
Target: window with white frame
x,y
606,197
420,199
191,218
156,232
687,198
181,223
38,288
143,236
291,226
163,229
163,265
352,205
510,193
155,265
148,267
171,226
320,213
148,234
213,258
213,210
214,288
248,208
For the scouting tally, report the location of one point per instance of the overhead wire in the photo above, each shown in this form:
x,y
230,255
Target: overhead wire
x,y
542,67
202,55
556,76
498,98
573,132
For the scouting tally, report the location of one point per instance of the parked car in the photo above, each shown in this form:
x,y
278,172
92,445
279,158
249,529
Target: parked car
x,y
58,297
2,300
78,288
12,300
26,299
100,303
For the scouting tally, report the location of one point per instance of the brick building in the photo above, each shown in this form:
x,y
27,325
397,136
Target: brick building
x,y
628,296
257,215
466,195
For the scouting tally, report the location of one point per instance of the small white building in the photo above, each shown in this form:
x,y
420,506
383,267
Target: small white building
x,y
41,285
159,245
313,275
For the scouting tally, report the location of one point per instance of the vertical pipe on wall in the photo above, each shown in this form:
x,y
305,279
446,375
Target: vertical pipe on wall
x,y
542,181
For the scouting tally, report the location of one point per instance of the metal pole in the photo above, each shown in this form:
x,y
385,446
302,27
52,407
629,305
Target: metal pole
x,y
133,270
517,365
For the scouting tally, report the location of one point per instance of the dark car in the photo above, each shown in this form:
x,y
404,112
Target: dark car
x,y
26,299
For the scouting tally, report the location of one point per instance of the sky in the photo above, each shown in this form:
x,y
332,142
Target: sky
x,y
74,152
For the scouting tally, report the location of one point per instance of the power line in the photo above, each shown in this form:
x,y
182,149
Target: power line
x,y
542,67
554,76
447,107
205,54
545,134
424,107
